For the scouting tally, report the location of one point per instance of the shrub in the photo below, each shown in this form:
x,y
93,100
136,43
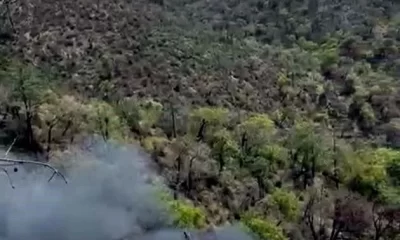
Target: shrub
x,y
140,115
105,121
264,229
286,203
153,143
186,215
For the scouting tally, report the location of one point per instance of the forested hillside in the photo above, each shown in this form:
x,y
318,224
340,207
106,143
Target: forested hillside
x,y
281,114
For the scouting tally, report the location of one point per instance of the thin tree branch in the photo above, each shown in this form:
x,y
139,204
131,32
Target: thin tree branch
x,y
8,176
11,146
20,162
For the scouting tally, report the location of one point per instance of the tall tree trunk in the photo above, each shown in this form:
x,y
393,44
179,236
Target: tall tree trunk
x,y
29,129
105,130
243,146
200,133
313,166
67,127
178,176
261,186
190,175
305,170
221,159
28,115
49,137
335,162
173,121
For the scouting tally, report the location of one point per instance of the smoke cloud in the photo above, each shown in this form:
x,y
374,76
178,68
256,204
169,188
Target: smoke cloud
x,y
108,196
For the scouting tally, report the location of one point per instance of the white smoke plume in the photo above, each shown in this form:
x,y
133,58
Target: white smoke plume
x,y
107,197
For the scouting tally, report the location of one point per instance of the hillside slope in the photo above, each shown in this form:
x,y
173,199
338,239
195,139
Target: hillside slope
x,y
274,113
115,49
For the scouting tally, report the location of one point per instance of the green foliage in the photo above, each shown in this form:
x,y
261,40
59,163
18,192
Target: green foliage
x,y
286,203
389,195
368,115
186,215
259,56
140,115
128,109
149,113
306,144
264,229
196,48
393,170
328,53
367,171
276,154
26,82
63,113
264,162
213,116
105,121
302,135
223,145
258,128
214,119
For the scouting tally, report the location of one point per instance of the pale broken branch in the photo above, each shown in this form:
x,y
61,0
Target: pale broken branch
x,y
21,162
11,146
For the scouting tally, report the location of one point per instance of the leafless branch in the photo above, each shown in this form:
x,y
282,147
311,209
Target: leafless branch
x,y
21,162
11,146
8,176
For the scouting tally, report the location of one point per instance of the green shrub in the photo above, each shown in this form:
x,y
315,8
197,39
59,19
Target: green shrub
x,y
366,172
258,129
286,203
140,115
264,229
393,170
214,119
213,116
104,121
186,215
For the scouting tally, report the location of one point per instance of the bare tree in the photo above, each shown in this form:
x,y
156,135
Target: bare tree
x,y
386,221
7,162
342,216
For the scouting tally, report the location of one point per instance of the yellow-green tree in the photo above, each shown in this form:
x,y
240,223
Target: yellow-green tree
x,y
186,215
306,150
393,170
224,148
140,115
150,112
105,122
366,171
27,86
205,121
286,204
263,228
63,114
255,132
